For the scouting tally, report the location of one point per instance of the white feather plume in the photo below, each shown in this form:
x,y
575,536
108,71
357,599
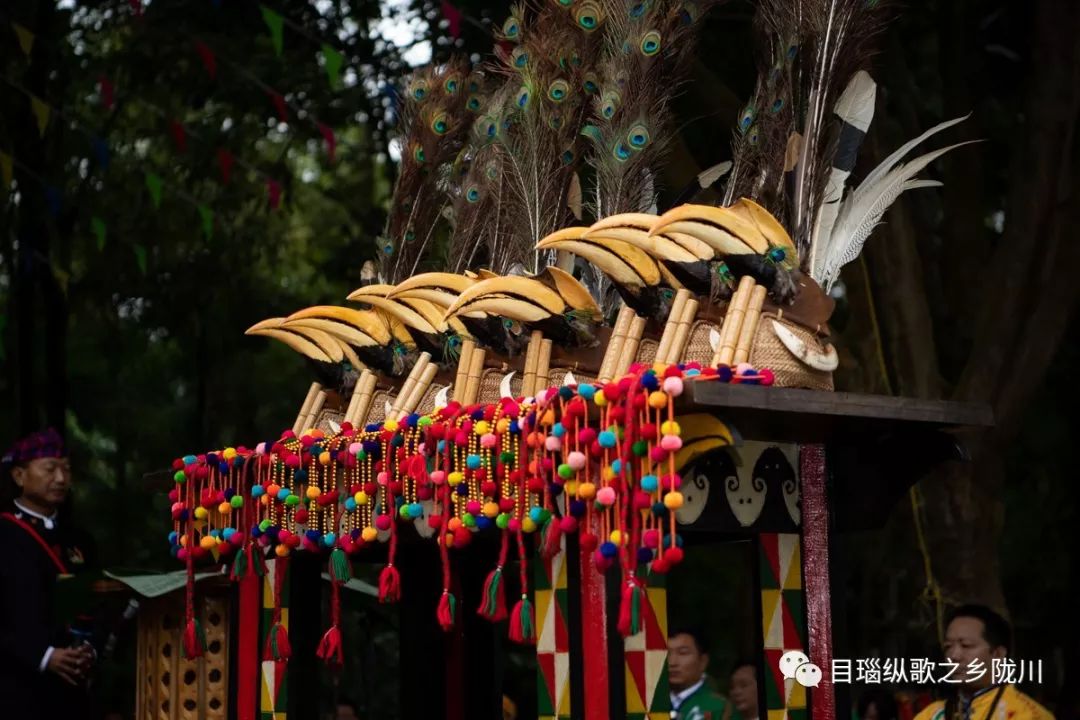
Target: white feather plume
x,y
862,209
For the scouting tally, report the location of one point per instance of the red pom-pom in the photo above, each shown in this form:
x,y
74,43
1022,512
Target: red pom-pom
x,y
674,555
661,566
612,392
639,401
177,464
370,488
672,371
301,516
586,436
536,484
616,414
434,521
589,542
767,376
488,488
506,505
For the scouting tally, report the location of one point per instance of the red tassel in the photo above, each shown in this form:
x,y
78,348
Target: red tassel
x,y
277,644
330,650
630,608
552,539
446,610
493,606
194,642
522,622
389,585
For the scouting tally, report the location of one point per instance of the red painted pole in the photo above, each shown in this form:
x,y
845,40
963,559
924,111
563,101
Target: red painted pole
x,y
594,640
248,670
815,557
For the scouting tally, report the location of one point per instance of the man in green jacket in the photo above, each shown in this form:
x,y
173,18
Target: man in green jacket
x,y
691,697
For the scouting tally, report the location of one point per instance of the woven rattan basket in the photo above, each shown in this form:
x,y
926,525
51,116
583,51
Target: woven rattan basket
x,y
769,352
490,382
698,345
646,351
556,376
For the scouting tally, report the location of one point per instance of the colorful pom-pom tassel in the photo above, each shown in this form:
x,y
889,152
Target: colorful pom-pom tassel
x,y
522,623
277,645
389,585
447,606
330,650
630,608
552,539
194,640
240,566
493,607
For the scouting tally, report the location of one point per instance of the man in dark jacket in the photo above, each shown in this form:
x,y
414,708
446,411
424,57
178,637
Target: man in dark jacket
x,y
43,666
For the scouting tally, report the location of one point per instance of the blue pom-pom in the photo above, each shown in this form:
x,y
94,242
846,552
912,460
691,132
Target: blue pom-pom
x,y
329,539
659,510
350,504
483,522
555,489
558,430
616,466
283,493
313,535
237,461
536,514
397,441
644,555
229,492
211,459
649,483
462,489
477,414
416,510
369,446
692,372
190,459
173,537
355,534
566,393
315,450
577,508
607,439
586,391
257,491
398,502
256,532
372,427
723,373
514,427
412,420
609,549
271,532
215,533
649,381
442,446
223,467
228,533
473,462
300,475
333,454
183,515
174,550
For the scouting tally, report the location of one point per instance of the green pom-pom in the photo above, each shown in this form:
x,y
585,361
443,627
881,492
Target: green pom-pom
x,y
566,472
502,521
640,448
292,500
237,501
264,525
403,511
507,457
179,476
424,421
468,520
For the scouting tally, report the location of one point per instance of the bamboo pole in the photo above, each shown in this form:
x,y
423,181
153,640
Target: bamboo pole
x,y
350,410
301,416
615,344
472,380
410,382
681,297
750,325
532,354
419,389
729,333
631,346
682,331
363,405
468,346
314,410
543,367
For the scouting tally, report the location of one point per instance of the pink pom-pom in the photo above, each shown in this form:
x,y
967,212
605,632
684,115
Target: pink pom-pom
x,y
657,454
672,482
237,539
382,522
552,443
569,524
576,460
606,496
650,539
767,376
671,443
488,440
181,554
260,449
514,525
383,478
673,386
355,448
438,477
586,436
283,535
473,507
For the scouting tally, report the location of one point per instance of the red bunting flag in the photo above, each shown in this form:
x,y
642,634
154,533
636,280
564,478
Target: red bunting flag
x,y
330,139
279,105
273,192
207,56
225,162
107,91
453,19
179,135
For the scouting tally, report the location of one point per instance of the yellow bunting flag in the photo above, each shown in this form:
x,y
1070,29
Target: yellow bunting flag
x,y
41,112
26,38
5,170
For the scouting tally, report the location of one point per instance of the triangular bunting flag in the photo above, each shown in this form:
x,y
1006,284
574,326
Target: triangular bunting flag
x,y
41,112
6,170
225,163
330,139
207,56
453,19
140,258
97,226
153,184
275,23
332,62
26,38
207,216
